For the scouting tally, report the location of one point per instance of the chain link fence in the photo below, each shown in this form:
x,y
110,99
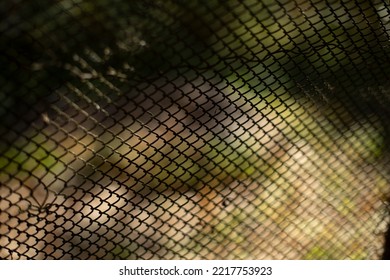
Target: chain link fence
x,y
197,129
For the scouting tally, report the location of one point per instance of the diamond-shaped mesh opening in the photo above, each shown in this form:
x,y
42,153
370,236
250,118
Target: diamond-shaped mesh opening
x,y
194,129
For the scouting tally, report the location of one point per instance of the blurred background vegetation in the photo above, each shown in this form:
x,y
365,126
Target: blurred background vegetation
x,y
194,129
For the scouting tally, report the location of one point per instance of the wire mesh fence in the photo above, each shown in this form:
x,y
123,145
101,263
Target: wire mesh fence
x,y
197,129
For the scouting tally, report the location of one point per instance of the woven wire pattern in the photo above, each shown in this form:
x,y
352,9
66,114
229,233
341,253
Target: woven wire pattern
x,y
194,129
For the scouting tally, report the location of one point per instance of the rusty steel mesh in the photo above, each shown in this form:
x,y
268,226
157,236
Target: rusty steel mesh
x,y
197,129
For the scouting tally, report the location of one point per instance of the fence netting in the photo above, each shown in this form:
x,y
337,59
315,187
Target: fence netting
x,y
202,129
